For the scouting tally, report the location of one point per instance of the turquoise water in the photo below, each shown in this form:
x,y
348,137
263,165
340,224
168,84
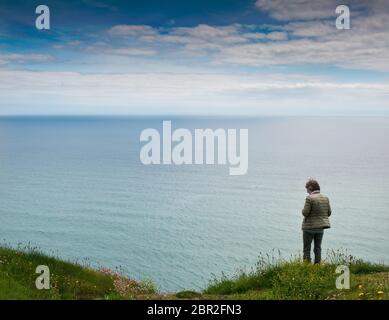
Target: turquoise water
x,y
75,187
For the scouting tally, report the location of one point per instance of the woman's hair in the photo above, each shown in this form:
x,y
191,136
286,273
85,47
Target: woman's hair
x,y
313,185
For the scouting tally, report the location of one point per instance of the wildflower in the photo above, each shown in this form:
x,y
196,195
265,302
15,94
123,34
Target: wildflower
x,y
380,292
360,287
361,294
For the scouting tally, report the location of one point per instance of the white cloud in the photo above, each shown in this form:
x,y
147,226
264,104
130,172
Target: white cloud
x,y
69,92
299,40
132,30
297,10
276,35
143,52
292,10
24,58
317,42
311,28
352,52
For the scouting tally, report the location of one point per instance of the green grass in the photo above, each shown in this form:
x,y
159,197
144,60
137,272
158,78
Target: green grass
x,y
271,278
188,294
67,280
294,279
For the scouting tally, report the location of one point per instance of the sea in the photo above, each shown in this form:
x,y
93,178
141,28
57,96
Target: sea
x,y
74,187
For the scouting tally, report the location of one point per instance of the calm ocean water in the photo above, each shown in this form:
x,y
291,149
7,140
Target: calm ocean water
x,y
75,187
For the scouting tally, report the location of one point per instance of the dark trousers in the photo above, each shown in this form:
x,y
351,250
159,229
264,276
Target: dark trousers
x,y
316,237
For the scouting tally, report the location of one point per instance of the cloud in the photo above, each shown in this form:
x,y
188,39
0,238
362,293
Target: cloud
x,y
24,58
183,93
202,33
277,36
204,62
142,52
307,36
307,29
132,30
354,52
70,44
297,10
297,43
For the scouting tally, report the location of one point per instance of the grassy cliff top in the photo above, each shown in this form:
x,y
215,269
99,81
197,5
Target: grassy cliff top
x,y
269,279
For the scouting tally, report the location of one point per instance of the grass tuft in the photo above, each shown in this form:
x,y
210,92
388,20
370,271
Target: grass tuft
x,y
293,279
67,280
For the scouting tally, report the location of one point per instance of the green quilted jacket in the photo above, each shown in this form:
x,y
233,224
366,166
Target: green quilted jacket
x,y
316,212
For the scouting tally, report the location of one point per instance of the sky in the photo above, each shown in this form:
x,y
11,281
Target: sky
x,y
194,57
